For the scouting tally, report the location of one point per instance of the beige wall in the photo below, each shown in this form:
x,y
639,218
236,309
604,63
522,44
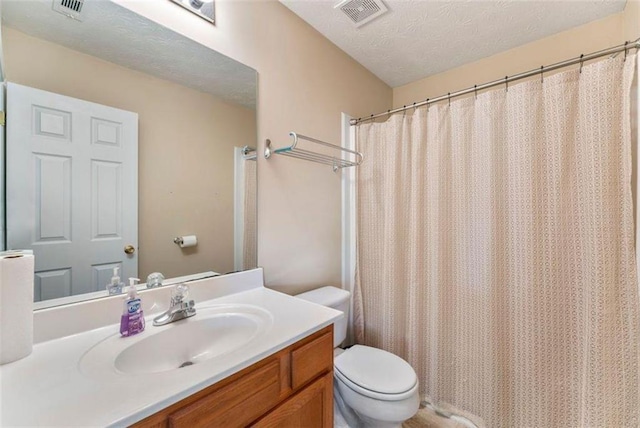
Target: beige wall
x,y
632,20
186,141
591,37
304,83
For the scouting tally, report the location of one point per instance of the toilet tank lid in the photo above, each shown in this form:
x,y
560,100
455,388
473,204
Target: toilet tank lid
x,y
326,296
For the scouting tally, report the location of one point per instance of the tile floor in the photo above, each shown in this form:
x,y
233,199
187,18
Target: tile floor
x,y
425,418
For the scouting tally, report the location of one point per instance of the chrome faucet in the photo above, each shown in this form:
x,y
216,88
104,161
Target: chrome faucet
x,y
179,309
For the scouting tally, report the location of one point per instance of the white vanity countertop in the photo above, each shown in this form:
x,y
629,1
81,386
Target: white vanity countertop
x,y
48,387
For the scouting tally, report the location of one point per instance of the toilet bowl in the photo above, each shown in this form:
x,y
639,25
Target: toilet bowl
x,y
372,387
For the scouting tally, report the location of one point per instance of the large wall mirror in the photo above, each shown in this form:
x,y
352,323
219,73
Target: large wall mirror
x,y
122,135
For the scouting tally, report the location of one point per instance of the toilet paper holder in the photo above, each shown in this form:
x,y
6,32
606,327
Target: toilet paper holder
x,y
186,241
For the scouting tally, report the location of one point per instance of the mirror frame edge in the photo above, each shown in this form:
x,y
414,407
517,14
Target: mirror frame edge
x,y
3,102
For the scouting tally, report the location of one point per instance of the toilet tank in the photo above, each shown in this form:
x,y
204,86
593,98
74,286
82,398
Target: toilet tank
x,y
335,298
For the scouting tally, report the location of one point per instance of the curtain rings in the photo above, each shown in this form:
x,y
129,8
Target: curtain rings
x,y
542,74
449,98
404,111
414,107
581,62
475,91
506,83
625,50
427,104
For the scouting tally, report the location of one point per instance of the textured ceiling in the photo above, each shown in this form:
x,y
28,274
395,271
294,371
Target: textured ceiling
x,y
120,36
416,39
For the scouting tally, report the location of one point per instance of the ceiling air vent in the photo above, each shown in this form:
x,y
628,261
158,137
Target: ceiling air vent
x,y
70,8
362,11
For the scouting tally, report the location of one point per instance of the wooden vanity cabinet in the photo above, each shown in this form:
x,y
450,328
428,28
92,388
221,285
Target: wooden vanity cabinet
x,y
291,388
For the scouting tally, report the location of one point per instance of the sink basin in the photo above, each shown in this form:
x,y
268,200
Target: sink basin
x,y
212,333
188,344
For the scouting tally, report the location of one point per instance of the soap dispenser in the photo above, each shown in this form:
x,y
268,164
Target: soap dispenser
x,y
132,321
115,286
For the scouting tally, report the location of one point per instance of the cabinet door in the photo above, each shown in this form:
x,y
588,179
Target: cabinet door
x,y
235,405
310,408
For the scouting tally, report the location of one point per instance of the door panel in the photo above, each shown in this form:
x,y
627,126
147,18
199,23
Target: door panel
x,y
52,198
53,283
106,200
52,123
71,189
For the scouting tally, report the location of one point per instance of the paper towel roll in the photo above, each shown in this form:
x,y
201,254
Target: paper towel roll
x,y
188,241
16,305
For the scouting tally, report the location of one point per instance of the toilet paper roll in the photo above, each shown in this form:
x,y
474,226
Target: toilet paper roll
x,y
16,305
189,241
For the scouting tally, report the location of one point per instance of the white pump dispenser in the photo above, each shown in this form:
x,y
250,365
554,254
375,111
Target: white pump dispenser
x,y
116,285
133,293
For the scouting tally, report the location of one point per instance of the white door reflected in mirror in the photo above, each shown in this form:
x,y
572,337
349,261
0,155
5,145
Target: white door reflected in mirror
x,y
74,200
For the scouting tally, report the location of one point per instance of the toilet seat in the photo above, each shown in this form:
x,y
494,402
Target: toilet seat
x,y
376,373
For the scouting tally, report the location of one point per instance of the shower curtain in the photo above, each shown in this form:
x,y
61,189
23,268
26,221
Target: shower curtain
x,y
496,250
249,247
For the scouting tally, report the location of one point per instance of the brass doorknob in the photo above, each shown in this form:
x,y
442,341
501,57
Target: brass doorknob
x,y
129,249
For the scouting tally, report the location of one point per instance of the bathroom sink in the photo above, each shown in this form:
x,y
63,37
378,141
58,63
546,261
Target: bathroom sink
x,y
213,332
188,343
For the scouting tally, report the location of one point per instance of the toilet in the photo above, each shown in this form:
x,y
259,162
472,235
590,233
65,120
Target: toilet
x,y
372,387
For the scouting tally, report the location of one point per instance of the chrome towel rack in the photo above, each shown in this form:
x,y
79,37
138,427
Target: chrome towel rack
x,y
249,153
342,158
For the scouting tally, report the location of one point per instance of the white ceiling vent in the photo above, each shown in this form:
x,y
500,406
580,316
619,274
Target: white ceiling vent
x,y
70,8
362,11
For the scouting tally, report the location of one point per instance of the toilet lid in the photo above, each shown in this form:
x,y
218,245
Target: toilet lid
x,y
375,370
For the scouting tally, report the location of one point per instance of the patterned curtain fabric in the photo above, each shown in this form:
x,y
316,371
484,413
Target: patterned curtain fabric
x,y
249,247
496,250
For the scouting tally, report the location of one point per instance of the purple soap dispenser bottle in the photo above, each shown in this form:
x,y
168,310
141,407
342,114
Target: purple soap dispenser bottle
x,y
132,321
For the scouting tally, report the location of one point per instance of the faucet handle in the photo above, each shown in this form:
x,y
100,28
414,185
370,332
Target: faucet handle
x,y
179,294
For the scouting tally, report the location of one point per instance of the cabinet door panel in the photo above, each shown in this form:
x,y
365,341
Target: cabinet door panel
x,y
311,360
310,408
235,405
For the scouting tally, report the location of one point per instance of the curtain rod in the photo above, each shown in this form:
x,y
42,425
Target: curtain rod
x,y
508,79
